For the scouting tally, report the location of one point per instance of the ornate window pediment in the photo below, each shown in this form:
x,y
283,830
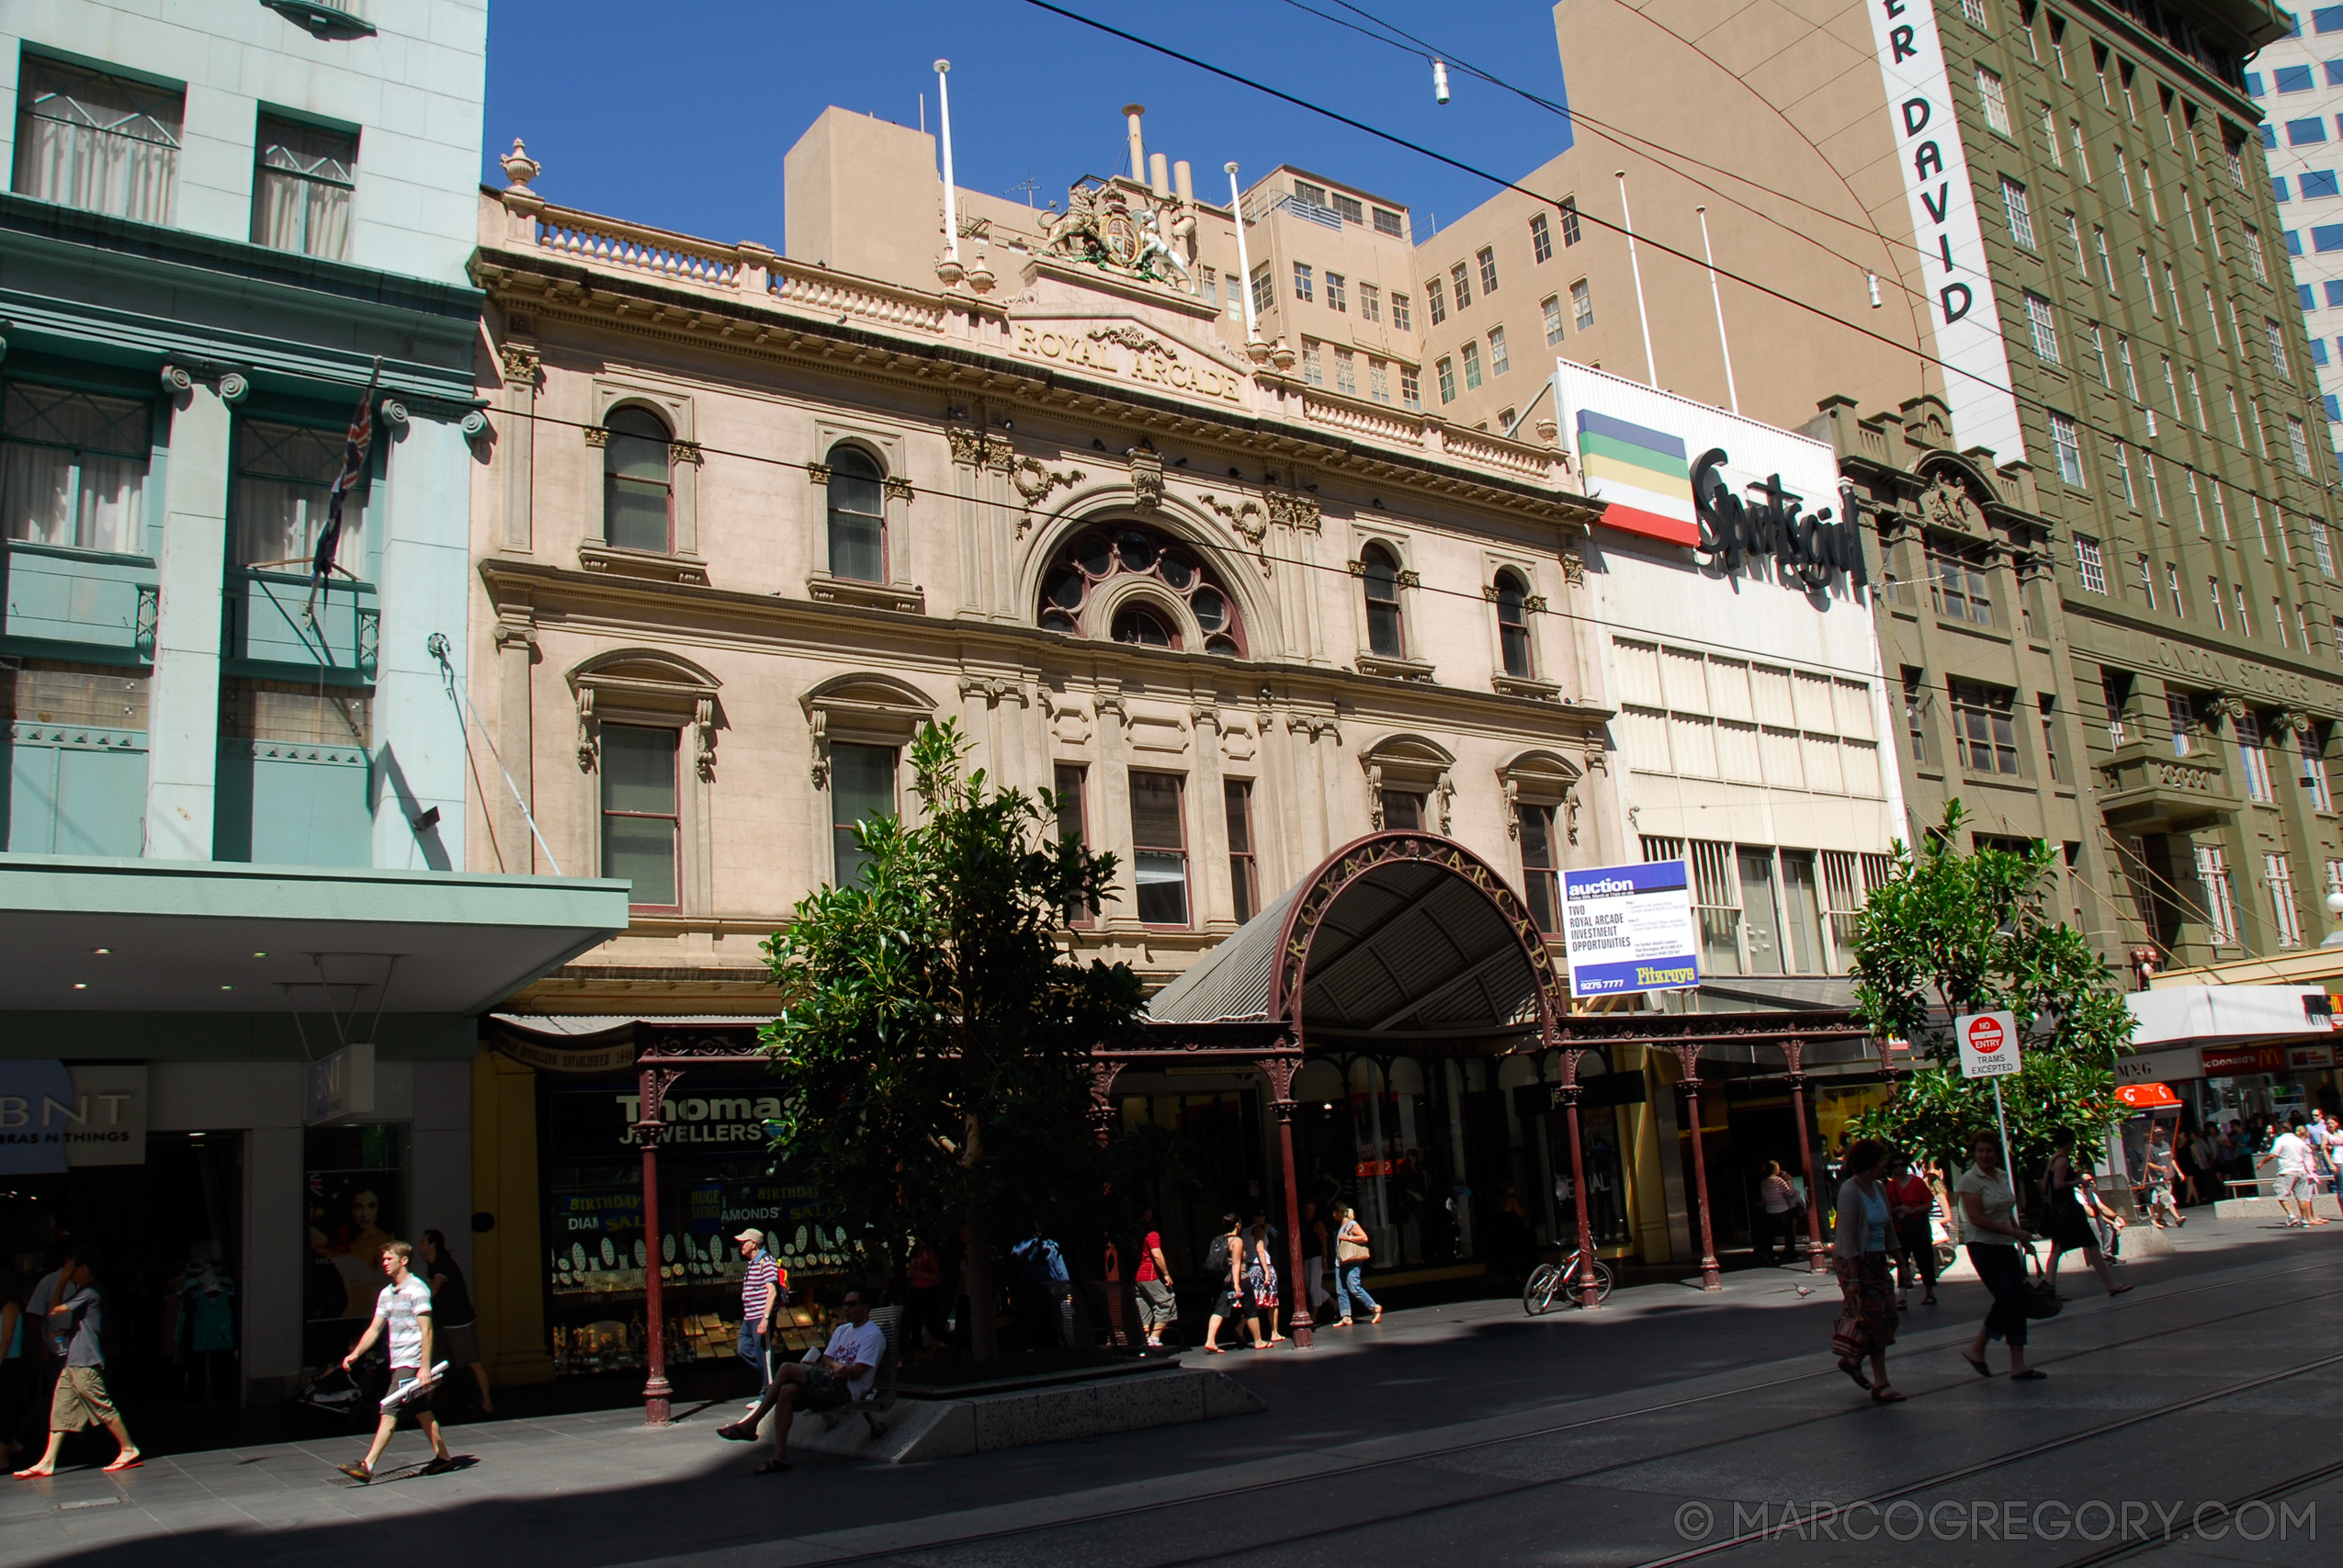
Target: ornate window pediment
x,y
869,709
1409,765
646,687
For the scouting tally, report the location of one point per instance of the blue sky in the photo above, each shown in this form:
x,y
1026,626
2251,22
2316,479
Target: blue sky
x,y
678,115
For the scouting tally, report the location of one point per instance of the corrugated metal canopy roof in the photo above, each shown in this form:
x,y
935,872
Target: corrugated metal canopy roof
x,y
1408,949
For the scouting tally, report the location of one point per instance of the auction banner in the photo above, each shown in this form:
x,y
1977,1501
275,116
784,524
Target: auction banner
x,y
1629,928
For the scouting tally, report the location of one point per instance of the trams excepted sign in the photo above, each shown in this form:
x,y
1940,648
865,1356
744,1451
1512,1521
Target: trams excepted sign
x,y
1988,1044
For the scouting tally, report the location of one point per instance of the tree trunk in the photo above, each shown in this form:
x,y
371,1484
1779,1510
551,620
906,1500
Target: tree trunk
x,y
984,1327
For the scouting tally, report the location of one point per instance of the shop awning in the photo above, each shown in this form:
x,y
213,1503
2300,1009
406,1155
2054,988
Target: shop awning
x,y
2199,1015
2147,1096
88,935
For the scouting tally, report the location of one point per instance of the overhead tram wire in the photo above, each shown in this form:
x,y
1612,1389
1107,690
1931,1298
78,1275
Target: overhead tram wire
x,y
2080,421
1889,684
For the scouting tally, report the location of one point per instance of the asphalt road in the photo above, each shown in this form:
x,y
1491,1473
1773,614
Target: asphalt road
x,y
2195,1416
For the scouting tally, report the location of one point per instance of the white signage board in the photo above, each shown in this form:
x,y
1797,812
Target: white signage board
x,y
1629,928
1988,1044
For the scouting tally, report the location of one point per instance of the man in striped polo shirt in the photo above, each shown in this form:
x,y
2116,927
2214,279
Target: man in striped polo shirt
x,y
756,1295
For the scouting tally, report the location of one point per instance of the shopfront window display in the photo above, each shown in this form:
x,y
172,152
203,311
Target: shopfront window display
x,y
354,1189
716,1180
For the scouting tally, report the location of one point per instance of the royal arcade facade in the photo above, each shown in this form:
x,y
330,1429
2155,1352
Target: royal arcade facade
x,y
748,520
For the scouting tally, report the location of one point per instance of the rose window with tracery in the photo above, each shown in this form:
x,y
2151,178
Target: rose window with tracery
x,y
1134,585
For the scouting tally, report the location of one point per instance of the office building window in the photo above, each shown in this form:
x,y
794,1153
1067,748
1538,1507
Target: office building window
x,y
1388,222
2021,215
1975,11
1486,256
2089,563
1370,302
2114,694
1581,305
1399,314
1346,372
1514,625
1984,726
2298,443
639,820
1244,872
1435,301
301,187
1379,572
2220,897
1313,363
1569,221
1541,241
1540,875
1472,366
1412,389
1350,207
1996,101
2253,757
72,468
2180,718
2048,705
1160,848
1447,369
101,143
285,475
1916,711
2278,871
1263,297
637,491
1461,281
1959,586
1498,362
1551,309
2068,442
861,789
1338,295
1072,792
1304,282
1379,379
2044,327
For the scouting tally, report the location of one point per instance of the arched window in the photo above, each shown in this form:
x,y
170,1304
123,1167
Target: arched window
x,y
1386,635
1513,623
636,491
1075,596
858,516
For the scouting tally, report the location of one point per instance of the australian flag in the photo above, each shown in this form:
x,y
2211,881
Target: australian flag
x,y
354,453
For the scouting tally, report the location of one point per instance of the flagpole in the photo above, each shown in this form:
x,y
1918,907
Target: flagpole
x,y
1643,317
354,447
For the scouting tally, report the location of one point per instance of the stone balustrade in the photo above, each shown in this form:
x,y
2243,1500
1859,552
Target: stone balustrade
x,y
610,241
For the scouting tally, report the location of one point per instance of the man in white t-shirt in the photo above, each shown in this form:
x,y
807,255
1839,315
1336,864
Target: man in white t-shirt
x,y
846,1371
403,1308
2295,1187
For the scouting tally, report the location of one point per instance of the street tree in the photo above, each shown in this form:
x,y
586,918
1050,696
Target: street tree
x,y
1954,933
935,1036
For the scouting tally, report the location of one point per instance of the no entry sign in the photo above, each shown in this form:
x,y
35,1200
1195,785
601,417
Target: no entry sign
x,y
1988,1044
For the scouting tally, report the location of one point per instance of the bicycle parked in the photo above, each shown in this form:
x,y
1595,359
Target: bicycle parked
x,y
1548,1281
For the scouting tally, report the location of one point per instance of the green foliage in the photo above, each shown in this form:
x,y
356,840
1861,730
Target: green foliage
x,y
933,1040
1955,933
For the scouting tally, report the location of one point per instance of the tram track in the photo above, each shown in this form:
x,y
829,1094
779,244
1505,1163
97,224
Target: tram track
x,y
930,1549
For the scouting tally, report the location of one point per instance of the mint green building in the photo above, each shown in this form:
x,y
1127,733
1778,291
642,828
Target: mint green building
x,y
233,816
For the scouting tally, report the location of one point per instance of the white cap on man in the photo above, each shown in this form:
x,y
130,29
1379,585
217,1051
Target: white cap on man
x,y
755,1237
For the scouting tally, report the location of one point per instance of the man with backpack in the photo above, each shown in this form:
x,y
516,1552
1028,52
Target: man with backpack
x,y
1044,1292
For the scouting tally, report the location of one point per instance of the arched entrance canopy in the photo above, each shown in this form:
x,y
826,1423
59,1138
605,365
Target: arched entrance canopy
x,y
1397,936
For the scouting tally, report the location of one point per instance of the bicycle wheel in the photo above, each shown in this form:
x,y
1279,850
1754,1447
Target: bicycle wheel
x,y
1603,1280
1538,1294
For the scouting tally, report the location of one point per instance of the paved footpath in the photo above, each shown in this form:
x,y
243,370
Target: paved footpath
x,y
1673,1426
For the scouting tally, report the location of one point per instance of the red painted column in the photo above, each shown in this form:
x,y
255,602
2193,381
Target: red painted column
x,y
1281,1073
1689,1056
1795,1050
656,1393
1568,1092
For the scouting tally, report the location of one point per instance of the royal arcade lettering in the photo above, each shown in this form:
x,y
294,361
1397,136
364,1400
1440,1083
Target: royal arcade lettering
x,y
1128,352
1810,546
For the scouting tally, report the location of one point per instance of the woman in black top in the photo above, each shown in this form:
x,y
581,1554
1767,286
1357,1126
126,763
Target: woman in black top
x,y
2070,1227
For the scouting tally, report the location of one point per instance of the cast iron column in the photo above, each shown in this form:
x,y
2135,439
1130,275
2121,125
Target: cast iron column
x,y
1102,1120
1567,1091
1794,1051
1690,1056
651,1121
1281,1071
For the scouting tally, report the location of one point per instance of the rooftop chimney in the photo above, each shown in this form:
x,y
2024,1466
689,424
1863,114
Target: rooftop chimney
x,y
1131,113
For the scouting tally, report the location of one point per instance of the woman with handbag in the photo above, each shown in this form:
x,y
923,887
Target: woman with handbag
x,y
2070,1225
1989,1226
1351,1249
1779,1200
1859,1256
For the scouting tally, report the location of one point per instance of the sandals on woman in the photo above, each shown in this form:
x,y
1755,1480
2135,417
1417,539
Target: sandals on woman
x,y
1887,1397
1978,1363
1855,1370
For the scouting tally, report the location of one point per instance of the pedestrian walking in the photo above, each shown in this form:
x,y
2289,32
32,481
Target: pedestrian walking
x,y
1989,1226
1151,1282
403,1309
2070,1223
451,1301
74,1325
1313,1256
2334,1157
2295,1189
1860,1256
2162,1170
757,1302
925,1316
1778,1203
1913,1203
1042,1291
1352,1247
1260,1283
846,1372
1224,1263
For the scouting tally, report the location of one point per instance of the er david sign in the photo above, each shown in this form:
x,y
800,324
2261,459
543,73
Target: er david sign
x,y
1629,928
1988,1044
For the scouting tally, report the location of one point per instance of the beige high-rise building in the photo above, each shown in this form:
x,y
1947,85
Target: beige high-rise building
x,y
1792,157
